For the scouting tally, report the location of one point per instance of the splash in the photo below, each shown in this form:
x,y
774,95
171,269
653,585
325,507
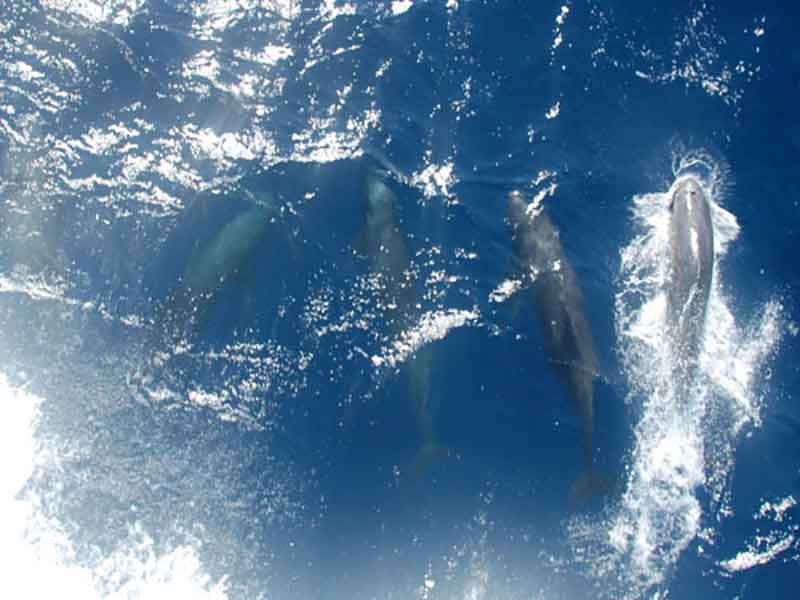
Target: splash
x,y
762,549
682,453
431,326
37,555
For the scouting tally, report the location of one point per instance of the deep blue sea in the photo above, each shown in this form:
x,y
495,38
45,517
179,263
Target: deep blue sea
x,y
266,331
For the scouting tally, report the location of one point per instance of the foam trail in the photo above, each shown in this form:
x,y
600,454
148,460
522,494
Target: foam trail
x,y
35,553
781,536
680,448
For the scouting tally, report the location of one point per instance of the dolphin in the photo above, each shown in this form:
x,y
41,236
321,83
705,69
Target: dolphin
x,y
557,297
691,247
387,252
386,249
212,265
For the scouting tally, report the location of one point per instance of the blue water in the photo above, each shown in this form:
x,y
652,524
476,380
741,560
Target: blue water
x,y
258,440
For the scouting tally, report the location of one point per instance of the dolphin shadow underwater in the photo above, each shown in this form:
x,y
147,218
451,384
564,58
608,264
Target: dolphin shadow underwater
x,y
552,286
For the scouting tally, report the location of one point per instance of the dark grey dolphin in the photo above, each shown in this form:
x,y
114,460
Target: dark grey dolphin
x,y
691,239
559,304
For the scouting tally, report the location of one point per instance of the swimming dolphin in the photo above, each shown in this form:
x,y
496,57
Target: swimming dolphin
x,y
212,265
691,240
386,250
559,303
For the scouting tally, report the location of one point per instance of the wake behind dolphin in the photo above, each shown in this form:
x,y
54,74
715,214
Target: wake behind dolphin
x,y
694,376
559,303
691,244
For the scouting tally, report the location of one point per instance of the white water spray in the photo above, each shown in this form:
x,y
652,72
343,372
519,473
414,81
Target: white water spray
x,y
36,555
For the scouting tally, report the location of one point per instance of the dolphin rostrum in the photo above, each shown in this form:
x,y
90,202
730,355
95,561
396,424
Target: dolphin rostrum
x,y
557,297
691,240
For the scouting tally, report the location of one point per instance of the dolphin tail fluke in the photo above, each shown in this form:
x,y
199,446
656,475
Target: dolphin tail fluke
x,y
590,484
428,454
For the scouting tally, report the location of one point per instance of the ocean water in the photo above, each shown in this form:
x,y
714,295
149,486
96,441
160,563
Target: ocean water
x,y
264,330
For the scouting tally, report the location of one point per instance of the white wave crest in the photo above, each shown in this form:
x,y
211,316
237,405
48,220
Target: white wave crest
x,y
432,326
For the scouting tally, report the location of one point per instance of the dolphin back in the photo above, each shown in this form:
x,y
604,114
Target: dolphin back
x,y
691,265
559,304
226,252
214,263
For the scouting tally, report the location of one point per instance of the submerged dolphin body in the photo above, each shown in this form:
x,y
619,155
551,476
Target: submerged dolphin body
x,y
36,229
386,250
691,240
212,265
559,303
226,252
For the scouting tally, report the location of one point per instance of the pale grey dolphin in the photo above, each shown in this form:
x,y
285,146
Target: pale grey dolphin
x,y
557,297
226,252
691,240
386,249
212,265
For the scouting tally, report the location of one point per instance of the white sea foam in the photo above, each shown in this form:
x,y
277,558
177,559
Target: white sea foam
x,y
435,180
401,6
772,547
431,326
762,547
36,554
116,12
505,290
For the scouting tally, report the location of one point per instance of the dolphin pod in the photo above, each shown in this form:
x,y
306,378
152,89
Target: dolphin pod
x,y
691,240
553,287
